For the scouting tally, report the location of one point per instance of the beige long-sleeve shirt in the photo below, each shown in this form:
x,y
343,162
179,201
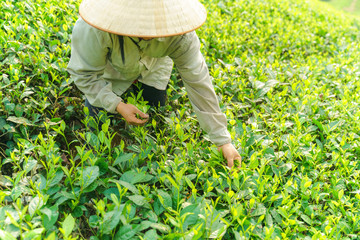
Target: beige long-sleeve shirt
x,y
103,73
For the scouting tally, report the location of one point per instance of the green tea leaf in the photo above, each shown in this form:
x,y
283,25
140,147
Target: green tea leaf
x,y
151,235
139,200
89,175
6,236
50,216
111,220
35,204
306,219
123,158
68,225
135,177
129,186
33,234
20,120
57,178
126,232
165,199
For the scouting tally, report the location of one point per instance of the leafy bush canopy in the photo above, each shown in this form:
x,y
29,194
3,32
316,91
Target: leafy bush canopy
x,y
287,76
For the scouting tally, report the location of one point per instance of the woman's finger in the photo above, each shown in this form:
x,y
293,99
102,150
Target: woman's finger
x,y
136,121
141,114
230,162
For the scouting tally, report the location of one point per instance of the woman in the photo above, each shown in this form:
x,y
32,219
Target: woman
x,y
117,42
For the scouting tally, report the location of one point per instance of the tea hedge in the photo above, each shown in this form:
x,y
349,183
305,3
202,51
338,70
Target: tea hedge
x,y
287,77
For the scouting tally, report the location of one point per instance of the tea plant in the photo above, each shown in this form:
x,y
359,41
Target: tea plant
x,y
287,77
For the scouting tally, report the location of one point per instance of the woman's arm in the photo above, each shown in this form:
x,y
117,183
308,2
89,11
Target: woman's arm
x,y
194,72
89,49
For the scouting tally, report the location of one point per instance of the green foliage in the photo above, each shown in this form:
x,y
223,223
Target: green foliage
x,y
350,6
287,74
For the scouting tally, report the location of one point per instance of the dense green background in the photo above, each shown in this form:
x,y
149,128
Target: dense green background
x,y
287,76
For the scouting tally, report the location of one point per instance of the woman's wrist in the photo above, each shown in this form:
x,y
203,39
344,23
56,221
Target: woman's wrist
x,y
120,106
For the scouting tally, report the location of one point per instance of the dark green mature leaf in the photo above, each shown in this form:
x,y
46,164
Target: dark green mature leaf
x,y
191,212
50,216
89,175
276,216
20,120
151,235
260,210
2,123
139,200
30,165
35,204
94,221
123,158
19,110
218,231
269,220
161,227
135,177
266,88
127,232
306,219
165,199
127,185
57,178
92,186
158,207
111,220
151,215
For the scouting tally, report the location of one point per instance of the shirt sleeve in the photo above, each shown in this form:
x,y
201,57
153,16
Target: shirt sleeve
x,y
89,49
194,72
159,74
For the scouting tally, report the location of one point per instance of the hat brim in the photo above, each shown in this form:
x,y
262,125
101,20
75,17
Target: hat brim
x,y
154,19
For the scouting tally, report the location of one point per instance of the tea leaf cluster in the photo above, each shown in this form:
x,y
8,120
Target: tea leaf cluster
x,y
287,77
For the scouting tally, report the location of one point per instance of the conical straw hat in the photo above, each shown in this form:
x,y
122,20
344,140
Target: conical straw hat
x,y
144,18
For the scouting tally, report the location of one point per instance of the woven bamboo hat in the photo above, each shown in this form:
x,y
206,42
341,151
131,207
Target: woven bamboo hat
x,y
144,18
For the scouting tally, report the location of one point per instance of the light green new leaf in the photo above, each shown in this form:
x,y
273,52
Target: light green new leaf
x,y
52,236
34,234
68,225
6,236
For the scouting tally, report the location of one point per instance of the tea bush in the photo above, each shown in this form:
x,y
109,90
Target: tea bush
x,y
287,77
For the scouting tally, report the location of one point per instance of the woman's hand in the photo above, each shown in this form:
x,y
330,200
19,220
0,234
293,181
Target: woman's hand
x,y
130,113
230,154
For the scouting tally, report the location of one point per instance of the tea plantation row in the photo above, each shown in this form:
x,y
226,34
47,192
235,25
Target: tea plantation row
x,y
287,76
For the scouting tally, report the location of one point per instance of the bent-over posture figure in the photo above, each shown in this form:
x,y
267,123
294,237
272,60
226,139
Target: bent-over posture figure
x,y
117,42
